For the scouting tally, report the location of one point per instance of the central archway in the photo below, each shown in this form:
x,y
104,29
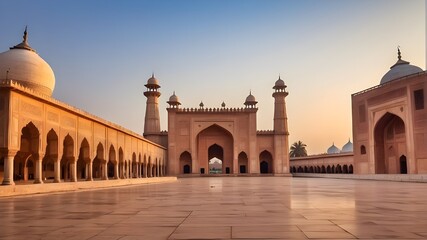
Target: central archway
x,y
215,158
390,144
215,142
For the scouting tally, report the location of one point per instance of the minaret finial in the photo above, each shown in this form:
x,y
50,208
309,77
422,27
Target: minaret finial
x,y
399,56
25,37
152,74
279,76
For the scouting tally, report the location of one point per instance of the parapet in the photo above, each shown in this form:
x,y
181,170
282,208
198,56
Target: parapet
x,y
214,110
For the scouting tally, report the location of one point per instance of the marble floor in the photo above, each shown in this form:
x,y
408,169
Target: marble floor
x,y
224,208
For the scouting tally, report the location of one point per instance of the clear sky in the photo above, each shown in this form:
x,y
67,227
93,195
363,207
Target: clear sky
x,y
102,53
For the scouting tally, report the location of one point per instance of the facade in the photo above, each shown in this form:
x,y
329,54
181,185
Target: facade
x,y
196,136
43,139
389,129
390,123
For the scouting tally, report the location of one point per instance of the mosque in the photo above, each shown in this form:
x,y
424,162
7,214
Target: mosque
x,y
43,139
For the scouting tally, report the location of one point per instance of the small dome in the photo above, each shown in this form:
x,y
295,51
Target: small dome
x,y
333,149
400,69
23,65
348,147
152,82
279,83
250,98
173,100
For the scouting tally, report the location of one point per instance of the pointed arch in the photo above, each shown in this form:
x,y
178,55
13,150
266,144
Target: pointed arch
x,y
112,166
185,162
266,162
51,155
215,141
98,162
389,133
243,162
83,160
121,163
24,163
67,158
134,172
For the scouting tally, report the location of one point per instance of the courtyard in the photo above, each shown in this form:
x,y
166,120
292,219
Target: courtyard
x,y
224,208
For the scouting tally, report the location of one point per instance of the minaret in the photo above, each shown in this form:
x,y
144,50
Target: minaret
x,y
280,116
152,116
281,141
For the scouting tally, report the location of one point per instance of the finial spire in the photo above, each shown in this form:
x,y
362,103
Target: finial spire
x,y
24,43
25,37
152,74
399,56
279,77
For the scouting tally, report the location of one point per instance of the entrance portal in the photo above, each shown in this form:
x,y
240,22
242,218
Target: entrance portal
x,y
390,143
215,151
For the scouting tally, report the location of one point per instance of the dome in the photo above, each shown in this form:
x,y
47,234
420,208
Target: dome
x,y
23,65
279,83
153,81
173,100
400,69
333,149
348,147
250,100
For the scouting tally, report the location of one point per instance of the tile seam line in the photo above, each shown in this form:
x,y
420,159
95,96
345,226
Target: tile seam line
x,y
179,225
332,221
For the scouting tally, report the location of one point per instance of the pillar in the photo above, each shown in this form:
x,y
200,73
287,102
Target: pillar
x,y
73,169
145,170
116,170
8,168
57,170
38,167
89,166
105,172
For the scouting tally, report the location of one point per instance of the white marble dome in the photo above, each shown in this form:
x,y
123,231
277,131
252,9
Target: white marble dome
x,y
23,65
400,69
348,147
333,149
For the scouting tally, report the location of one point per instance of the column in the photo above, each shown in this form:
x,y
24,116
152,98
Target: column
x,y
38,174
116,170
105,174
138,170
57,170
8,168
144,166
89,171
73,169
